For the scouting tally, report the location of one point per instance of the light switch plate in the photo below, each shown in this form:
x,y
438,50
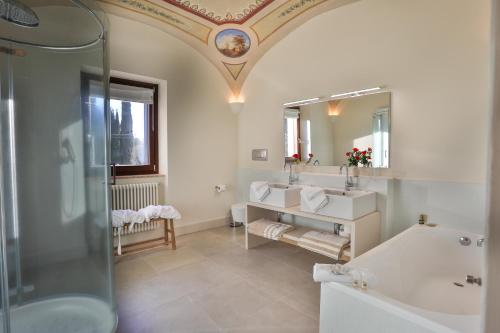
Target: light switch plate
x,y
259,154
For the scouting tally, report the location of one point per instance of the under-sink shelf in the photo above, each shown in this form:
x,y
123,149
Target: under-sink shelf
x,y
365,231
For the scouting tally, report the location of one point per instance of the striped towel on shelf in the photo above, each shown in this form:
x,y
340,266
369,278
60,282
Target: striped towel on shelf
x,y
269,229
325,243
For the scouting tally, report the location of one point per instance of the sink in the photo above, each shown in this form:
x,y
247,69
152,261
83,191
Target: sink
x,y
281,195
349,205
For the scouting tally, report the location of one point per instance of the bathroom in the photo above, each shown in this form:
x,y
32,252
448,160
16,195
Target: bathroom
x,y
215,84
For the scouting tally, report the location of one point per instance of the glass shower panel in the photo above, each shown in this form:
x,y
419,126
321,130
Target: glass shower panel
x,y
54,172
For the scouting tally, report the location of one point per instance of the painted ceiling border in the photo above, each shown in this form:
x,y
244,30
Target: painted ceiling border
x,y
198,12
292,5
161,14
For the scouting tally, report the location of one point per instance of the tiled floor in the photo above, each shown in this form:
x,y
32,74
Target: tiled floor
x,y
212,284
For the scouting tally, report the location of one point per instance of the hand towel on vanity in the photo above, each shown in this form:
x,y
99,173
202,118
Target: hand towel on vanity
x,y
331,273
325,243
159,212
314,197
269,229
260,189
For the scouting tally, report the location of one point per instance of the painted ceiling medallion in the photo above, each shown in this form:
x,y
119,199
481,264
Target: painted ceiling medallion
x,y
220,12
232,43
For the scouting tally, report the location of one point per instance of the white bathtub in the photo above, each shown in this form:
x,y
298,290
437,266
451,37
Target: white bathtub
x,y
412,286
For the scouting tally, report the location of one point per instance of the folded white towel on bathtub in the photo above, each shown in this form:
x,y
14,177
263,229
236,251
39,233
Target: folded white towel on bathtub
x,y
331,273
260,190
314,197
159,212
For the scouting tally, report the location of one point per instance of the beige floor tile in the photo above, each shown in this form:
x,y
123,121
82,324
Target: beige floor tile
x,y
230,305
179,316
129,272
213,284
167,259
278,315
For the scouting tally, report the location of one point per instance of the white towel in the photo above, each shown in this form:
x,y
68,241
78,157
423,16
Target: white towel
x,y
314,199
331,273
159,212
311,192
120,217
260,189
276,230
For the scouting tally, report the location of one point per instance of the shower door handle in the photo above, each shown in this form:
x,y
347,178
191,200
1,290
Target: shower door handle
x,y
113,173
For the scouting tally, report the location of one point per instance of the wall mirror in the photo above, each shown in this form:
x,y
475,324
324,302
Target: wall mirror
x,y
330,128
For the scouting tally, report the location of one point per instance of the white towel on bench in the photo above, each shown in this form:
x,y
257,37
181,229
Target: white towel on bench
x,y
121,217
131,217
159,212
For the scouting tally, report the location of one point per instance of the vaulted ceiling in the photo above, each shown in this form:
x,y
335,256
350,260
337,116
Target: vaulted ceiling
x,y
232,34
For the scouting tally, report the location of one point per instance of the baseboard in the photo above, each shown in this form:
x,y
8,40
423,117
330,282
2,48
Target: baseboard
x,y
180,229
200,226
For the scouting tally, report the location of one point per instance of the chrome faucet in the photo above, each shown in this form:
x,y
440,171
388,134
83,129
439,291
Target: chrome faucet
x,y
349,184
292,178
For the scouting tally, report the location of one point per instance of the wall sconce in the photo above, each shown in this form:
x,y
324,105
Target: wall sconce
x,y
236,104
236,107
333,110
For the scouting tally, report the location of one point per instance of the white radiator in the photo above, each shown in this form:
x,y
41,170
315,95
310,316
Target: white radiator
x,y
135,197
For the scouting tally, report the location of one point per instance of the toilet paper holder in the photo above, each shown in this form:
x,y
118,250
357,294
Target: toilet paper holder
x,y
220,188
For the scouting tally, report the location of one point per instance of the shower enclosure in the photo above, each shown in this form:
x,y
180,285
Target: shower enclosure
x,y
55,241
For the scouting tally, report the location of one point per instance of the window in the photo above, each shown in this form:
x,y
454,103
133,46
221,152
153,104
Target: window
x,y
292,132
134,127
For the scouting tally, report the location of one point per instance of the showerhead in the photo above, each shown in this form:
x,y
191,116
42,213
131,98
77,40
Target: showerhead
x,y
16,12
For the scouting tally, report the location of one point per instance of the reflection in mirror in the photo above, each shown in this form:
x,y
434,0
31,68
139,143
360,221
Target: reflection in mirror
x,y
330,129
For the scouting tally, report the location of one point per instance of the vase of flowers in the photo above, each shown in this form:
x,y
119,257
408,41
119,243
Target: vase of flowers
x,y
358,157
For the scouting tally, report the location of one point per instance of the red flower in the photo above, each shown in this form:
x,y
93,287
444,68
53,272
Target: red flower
x,y
311,155
358,158
355,150
363,152
369,157
347,154
296,156
370,149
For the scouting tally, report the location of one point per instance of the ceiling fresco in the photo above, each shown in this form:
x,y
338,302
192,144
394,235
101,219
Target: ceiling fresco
x,y
232,34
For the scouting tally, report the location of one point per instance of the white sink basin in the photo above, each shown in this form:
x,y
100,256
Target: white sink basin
x,y
349,205
281,195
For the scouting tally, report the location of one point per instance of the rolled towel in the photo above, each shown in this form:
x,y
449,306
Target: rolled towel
x,y
331,273
260,189
314,198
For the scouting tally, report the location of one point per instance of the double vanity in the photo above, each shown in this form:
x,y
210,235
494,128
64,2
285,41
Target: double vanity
x,y
352,210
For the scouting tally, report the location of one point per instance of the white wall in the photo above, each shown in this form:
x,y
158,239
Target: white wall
x,y
201,130
433,56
